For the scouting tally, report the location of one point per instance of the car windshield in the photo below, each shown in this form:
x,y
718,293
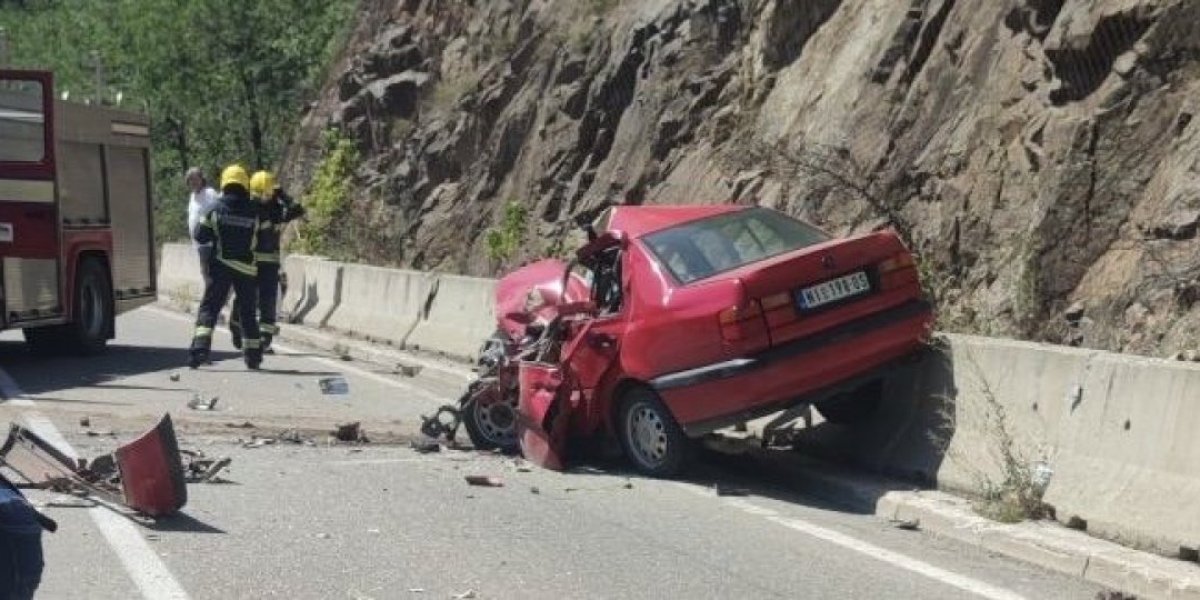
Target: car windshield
x,y
701,249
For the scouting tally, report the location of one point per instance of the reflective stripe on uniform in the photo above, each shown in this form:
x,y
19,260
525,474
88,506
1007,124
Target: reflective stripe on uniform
x,y
264,225
250,344
269,328
203,332
240,267
266,257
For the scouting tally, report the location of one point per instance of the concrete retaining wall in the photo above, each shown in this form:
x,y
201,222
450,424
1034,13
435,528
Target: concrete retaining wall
x,y
381,305
460,317
294,268
321,294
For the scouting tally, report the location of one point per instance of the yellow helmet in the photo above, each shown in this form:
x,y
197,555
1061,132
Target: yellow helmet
x,y
262,184
235,175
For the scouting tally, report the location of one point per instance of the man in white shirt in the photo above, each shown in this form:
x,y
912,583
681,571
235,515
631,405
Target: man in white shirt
x,y
201,200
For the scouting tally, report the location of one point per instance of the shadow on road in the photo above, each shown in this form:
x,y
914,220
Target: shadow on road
x,y
40,375
182,523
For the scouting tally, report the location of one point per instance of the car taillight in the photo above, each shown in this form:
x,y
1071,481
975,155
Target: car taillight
x,y
897,271
896,263
742,322
778,309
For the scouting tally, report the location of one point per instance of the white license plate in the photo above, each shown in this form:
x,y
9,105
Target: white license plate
x,y
833,290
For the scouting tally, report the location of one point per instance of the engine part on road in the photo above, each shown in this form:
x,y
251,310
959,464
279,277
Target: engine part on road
x,y
484,481
443,424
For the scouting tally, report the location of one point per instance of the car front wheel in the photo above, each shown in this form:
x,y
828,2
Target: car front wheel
x,y
651,438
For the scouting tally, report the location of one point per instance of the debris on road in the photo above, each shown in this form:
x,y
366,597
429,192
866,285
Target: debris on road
x,y
725,490
416,590
175,376
407,370
69,501
85,422
242,425
425,445
94,433
323,536
350,432
199,403
257,442
334,386
534,490
466,595
443,423
293,436
907,524
145,474
201,469
484,481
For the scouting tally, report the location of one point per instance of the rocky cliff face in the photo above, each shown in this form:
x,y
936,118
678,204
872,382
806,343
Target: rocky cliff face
x,y
1040,155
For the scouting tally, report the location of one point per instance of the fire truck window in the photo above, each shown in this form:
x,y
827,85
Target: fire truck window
x,y
22,122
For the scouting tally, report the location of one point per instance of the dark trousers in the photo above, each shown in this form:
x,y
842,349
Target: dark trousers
x,y
245,289
268,303
206,255
20,546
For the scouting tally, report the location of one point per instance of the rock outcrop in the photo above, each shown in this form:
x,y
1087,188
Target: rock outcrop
x,y
1040,155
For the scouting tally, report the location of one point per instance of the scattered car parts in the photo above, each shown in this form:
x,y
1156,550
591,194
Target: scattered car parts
x,y
145,474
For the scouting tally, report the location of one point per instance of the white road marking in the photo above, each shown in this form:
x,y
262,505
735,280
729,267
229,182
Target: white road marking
x,y
962,582
148,572
337,365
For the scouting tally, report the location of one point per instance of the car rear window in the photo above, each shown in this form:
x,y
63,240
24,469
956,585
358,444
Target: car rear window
x,y
701,249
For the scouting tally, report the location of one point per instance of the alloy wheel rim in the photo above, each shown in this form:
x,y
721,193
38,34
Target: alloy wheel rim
x,y
647,435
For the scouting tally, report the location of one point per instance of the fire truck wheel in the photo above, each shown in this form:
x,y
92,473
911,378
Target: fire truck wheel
x,y
89,333
651,438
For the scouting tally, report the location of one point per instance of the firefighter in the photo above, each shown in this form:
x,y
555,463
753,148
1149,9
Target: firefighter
x,y
276,209
232,228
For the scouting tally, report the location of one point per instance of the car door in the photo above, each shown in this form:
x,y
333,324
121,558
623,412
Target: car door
x,y
594,349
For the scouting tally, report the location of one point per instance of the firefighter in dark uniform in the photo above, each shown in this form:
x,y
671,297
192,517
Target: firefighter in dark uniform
x,y
276,209
232,228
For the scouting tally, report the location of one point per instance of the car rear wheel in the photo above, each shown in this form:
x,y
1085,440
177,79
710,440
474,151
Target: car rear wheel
x,y
853,408
649,435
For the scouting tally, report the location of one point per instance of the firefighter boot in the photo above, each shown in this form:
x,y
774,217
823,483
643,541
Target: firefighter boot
x,y
253,354
266,343
198,354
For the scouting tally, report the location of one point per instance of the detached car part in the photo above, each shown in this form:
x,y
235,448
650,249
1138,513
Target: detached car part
x,y
145,474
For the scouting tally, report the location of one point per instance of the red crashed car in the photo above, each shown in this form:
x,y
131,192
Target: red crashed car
x,y
680,320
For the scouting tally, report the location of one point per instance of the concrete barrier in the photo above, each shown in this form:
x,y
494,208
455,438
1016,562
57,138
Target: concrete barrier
x,y
381,305
180,282
321,294
294,267
1114,434
460,317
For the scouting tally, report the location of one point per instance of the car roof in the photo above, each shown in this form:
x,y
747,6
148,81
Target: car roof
x,y
637,221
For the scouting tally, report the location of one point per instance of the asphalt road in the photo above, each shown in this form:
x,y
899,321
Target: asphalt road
x,y
381,521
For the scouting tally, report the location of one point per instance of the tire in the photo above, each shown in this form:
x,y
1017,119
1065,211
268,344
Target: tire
x,y
853,408
650,437
94,313
492,426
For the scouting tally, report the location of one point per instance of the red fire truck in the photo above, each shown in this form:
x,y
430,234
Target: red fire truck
x,y
76,233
